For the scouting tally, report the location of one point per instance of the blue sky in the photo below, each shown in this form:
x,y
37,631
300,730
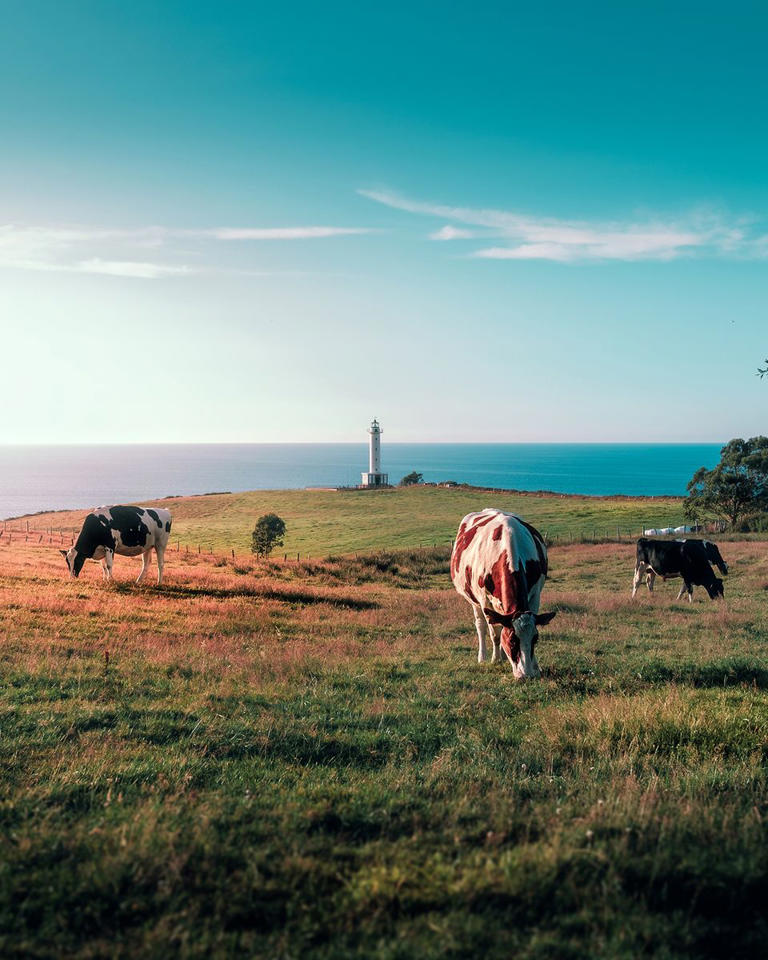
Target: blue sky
x,y
241,222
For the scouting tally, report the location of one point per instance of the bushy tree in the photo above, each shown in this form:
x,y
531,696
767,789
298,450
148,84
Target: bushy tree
x,y
411,479
736,487
267,534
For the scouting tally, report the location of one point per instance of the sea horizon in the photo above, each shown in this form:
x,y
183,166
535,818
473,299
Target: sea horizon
x,y
42,477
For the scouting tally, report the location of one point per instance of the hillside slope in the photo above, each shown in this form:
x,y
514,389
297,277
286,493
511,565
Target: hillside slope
x,y
322,522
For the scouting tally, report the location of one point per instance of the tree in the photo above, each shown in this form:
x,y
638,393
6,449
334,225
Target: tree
x,y
411,479
763,371
736,487
267,534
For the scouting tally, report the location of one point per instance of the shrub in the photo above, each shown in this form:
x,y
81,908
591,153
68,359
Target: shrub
x,y
267,534
411,479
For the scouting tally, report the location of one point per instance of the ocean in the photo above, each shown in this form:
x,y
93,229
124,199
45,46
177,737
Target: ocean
x,y
35,478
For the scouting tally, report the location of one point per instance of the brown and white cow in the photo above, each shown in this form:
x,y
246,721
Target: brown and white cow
x,y
499,565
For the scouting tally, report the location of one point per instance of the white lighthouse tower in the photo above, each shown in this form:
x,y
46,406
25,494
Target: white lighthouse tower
x,y
374,477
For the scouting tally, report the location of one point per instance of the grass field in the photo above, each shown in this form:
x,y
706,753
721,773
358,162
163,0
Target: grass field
x,y
307,761
323,522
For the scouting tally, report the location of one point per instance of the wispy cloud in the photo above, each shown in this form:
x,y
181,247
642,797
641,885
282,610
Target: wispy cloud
x,y
449,232
131,268
525,237
119,252
279,233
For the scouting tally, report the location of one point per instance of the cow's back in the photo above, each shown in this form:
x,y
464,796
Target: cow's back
x,y
134,529
499,562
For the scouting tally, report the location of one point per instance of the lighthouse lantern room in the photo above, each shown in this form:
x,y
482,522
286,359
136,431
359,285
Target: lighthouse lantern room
x,y
374,477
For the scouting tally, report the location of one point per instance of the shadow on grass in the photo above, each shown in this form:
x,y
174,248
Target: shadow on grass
x,y
265,593
567,606
730,672
718,673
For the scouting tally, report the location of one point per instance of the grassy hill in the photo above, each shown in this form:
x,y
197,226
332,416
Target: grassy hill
x,y
322,522
306,760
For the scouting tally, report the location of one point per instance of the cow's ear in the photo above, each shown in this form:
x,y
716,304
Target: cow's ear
x,y
542,619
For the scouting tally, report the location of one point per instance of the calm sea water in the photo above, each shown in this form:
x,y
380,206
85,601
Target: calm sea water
x,y
36,478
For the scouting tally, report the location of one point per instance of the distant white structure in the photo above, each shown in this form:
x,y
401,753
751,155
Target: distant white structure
x,y
374,477
666,531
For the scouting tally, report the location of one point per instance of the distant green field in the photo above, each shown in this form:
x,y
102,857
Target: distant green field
x,y
323,522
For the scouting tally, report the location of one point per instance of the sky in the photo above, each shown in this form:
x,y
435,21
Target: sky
x,y
244,222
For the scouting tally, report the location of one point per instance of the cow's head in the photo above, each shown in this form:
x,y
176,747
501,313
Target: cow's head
x,y
75,561
715,589
519,642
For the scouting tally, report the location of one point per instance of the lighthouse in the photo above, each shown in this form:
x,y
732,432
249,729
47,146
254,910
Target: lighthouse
x,y
374,477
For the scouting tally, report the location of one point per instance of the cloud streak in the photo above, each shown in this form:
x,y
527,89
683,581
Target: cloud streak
x,y
131,268
279,233
525,237
118,252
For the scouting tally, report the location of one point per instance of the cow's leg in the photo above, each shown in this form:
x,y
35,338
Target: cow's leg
x,y
145,559
650,579
481,626
495,634
689,588
106,564
160,552
638,578
680,592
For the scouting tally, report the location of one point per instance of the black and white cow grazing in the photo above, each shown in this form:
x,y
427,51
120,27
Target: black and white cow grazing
x,y
713,555
129,531
689,559
499,565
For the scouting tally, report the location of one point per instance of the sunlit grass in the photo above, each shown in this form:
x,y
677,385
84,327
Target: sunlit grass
x,y
320,523
307,760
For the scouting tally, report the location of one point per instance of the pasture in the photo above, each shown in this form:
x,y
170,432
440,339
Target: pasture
x,y
320,522
306,760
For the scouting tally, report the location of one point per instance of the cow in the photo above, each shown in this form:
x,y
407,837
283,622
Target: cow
x,y
713,555
689,559
128,531
499,565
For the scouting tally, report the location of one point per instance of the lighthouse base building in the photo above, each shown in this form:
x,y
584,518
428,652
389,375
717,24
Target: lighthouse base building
x,y
373,477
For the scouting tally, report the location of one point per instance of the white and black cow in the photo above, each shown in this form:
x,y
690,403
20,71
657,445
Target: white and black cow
x,y
129,531
689,559
499,565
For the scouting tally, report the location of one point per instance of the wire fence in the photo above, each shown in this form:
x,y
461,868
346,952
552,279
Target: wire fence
x,y
22,531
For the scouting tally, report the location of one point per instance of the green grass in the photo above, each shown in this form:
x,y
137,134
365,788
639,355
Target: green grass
x,y
308,762
325,522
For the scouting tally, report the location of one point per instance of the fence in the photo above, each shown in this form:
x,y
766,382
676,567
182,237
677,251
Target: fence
x,y
21,531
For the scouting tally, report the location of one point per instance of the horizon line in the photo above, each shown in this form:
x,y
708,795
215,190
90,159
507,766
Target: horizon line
x,y
285,443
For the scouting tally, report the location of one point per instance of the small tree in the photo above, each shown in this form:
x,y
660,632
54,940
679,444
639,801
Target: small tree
x,y
736,487
411,479
267,534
